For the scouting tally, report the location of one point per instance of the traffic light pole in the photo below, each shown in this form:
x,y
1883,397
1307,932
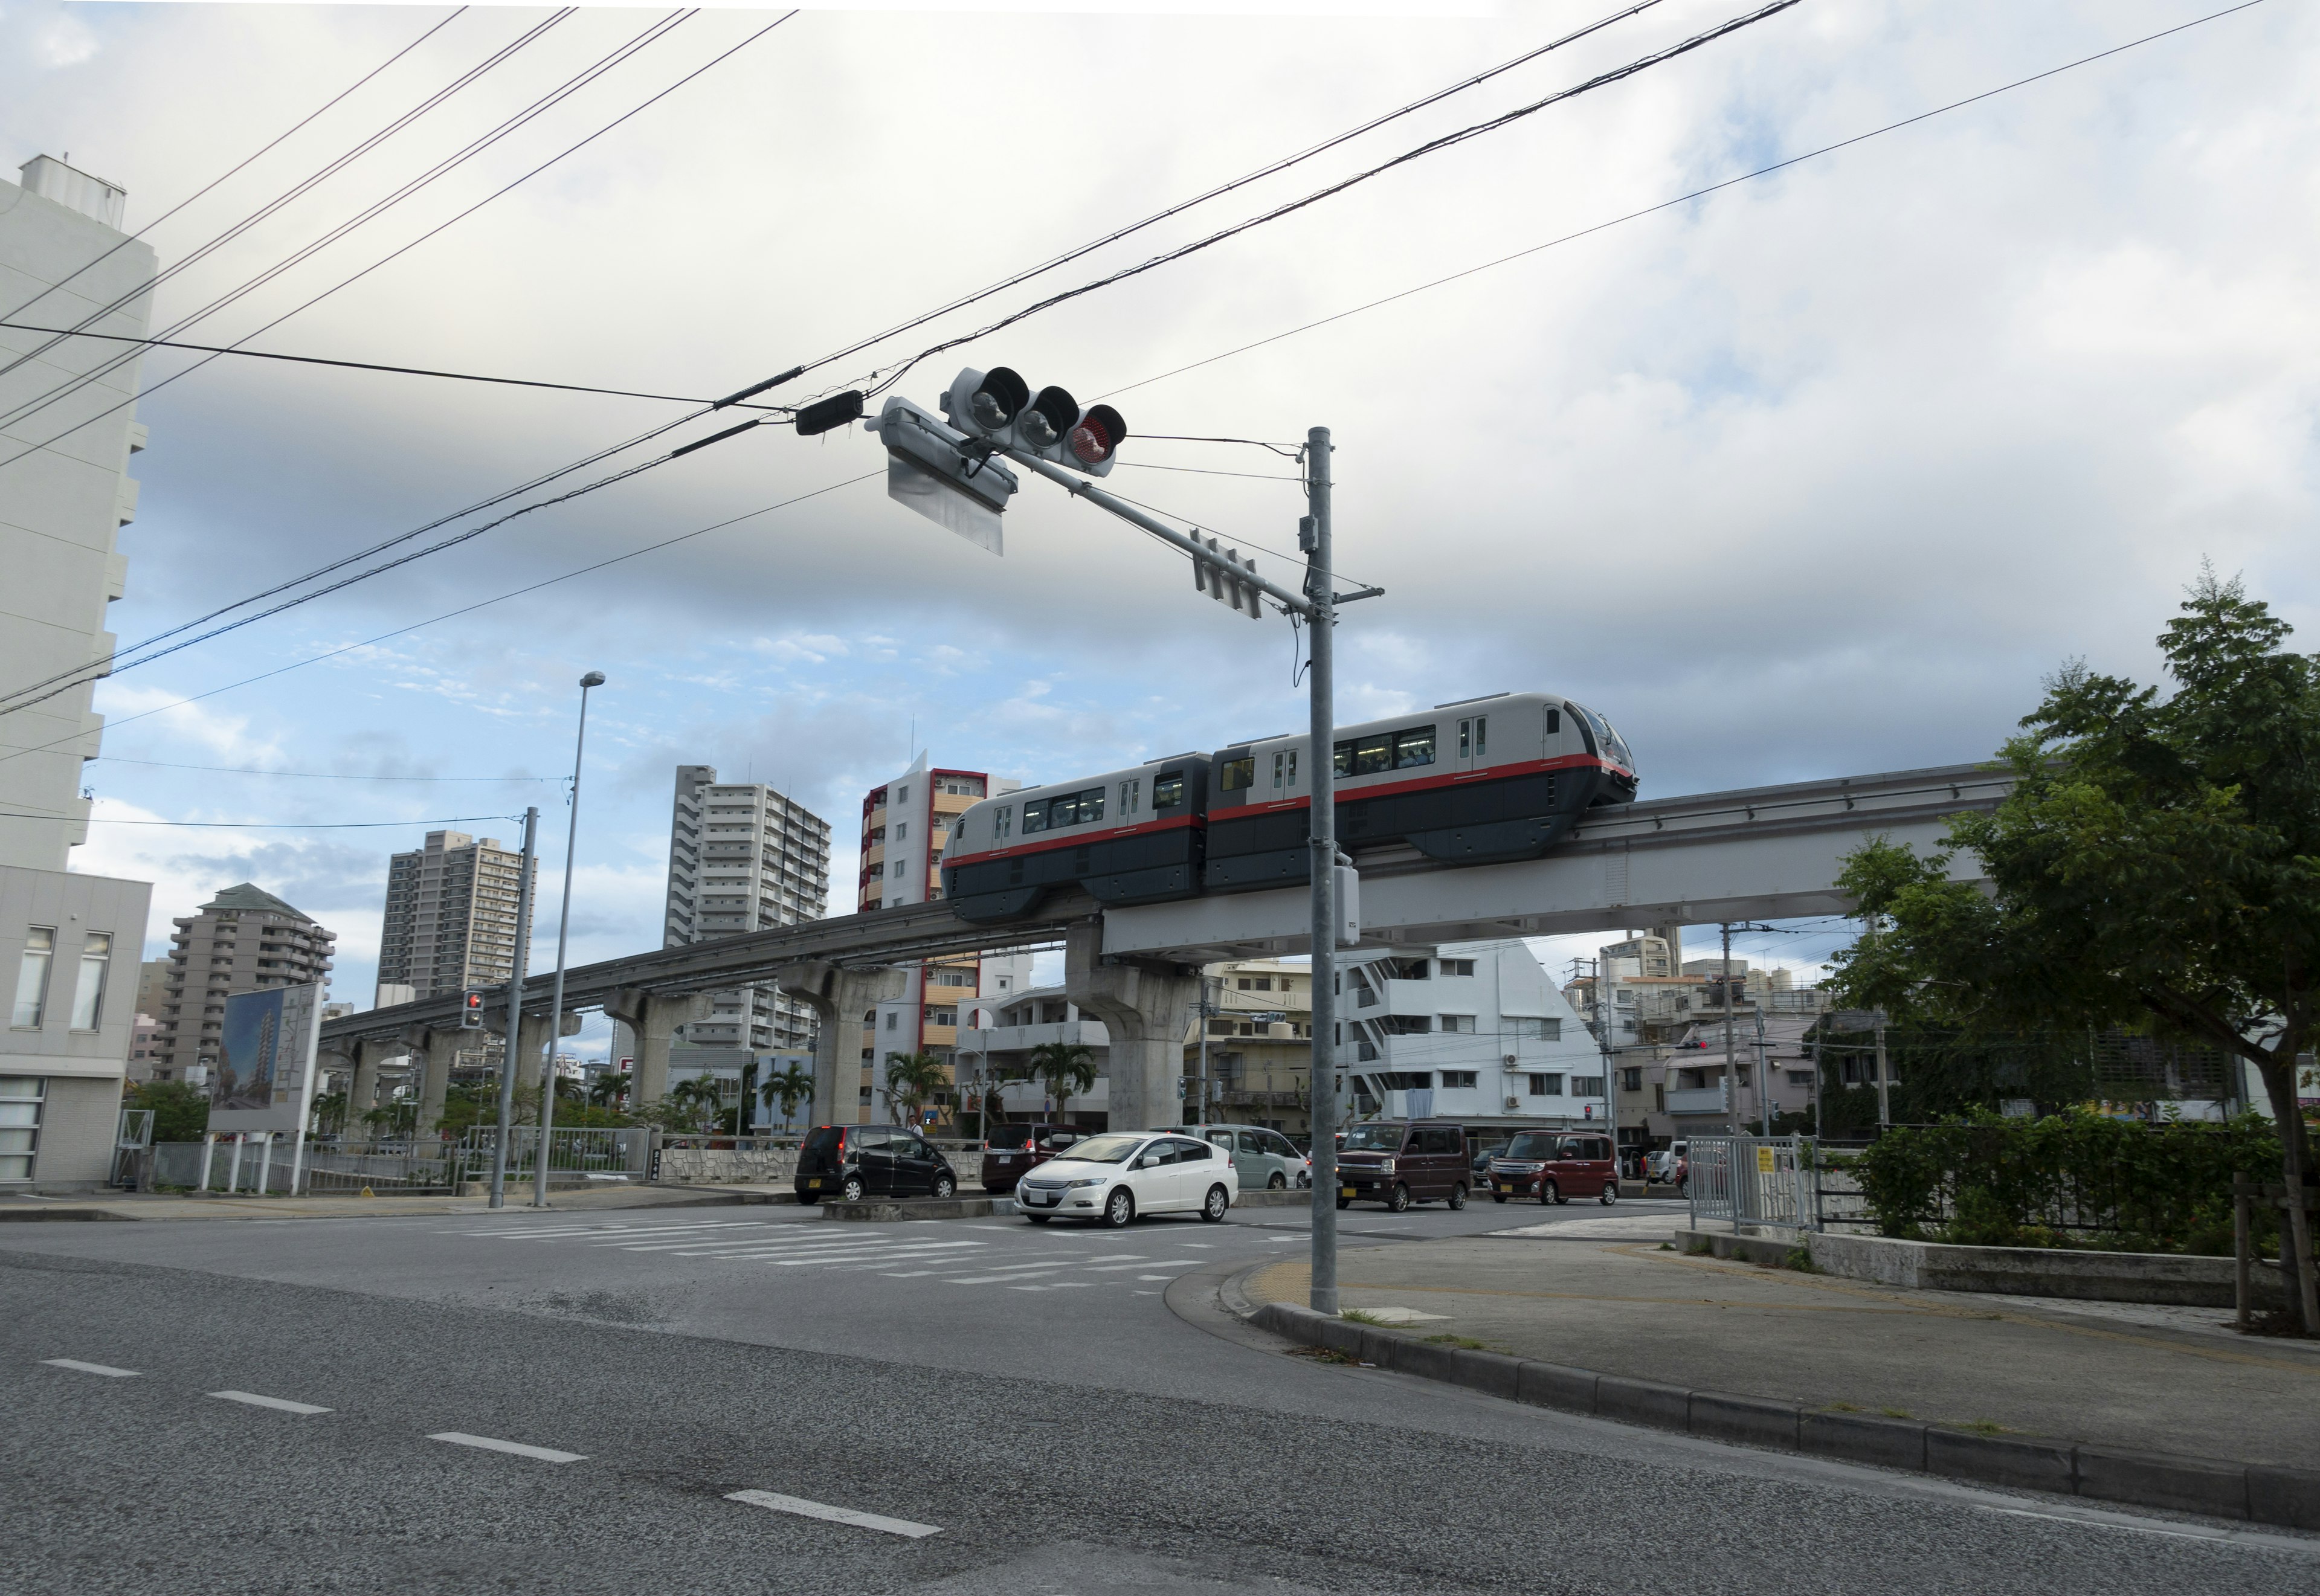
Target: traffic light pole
x,y
515,1012
1321,619
1317,606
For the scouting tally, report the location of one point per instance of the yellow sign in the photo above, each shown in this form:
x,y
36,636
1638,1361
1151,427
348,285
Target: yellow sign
x,y
1764,1160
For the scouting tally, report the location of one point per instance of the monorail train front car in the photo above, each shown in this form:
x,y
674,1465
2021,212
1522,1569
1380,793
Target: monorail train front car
x,y
1479,781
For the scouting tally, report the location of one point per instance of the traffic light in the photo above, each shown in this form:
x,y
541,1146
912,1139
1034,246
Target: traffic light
x,y
471,1009
1000,407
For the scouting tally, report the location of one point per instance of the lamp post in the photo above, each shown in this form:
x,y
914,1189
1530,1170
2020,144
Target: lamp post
x,y
595,678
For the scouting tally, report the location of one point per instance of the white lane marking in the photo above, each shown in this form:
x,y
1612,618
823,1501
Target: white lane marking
x,y
74,1363
1055,1285
1007,1228
1207,1243
767,1247
1116,1258
875,1255
823,1510
1010,1275
2087,1523
1155,1263
543,1453
1152,1278
280,1404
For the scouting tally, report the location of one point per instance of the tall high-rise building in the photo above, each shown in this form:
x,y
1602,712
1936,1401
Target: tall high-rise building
x,y
742,857
243,940
450,920
63,259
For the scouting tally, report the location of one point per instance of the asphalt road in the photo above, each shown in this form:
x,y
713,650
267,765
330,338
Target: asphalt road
x,y
708,1394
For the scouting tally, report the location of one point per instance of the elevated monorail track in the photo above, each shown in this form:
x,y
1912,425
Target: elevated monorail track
x,y
1754,853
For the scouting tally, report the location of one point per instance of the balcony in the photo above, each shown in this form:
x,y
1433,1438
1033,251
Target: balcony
x,y
1697,1100
1017,1038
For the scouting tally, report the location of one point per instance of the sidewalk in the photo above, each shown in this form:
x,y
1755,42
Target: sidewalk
x,y
218,1206
1599,1295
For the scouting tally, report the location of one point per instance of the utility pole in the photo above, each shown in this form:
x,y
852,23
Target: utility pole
x,y
1763,1078
1203,1009
595,678
1321,621
1731,1098
515,1011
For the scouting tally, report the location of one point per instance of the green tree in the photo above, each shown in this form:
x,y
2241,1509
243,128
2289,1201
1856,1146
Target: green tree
x,y
912,1078
791,1087
694,1105
180,1112
2156,866
1064,1068
609,1090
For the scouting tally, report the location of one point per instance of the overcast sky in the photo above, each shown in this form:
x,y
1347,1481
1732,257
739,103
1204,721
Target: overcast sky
x,y
1817,476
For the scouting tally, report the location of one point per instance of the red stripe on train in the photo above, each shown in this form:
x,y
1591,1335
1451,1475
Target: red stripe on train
x,y
1016,851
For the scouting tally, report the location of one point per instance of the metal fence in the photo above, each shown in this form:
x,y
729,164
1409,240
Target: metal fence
x,y
593,1153
1751,1180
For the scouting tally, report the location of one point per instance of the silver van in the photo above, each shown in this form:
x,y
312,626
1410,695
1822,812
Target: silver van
x,y
1265,1160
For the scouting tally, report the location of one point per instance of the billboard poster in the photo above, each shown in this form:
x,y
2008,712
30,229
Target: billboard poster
x,y
264,1078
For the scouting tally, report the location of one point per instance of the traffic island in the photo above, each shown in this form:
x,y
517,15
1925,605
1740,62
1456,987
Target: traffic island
x,y
2154,1407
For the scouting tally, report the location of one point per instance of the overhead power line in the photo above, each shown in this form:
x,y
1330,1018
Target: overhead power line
x,y
652,34
235,170
884,377
315,775
268,825
1685,198
457,377
100,666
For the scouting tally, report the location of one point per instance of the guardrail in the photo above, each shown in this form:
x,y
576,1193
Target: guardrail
x,y
1752,1180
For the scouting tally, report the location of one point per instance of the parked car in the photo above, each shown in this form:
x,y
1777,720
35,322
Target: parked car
x,y
1668,1164
1479,1166
1012,1151
1551,1167
1399,1163
1263,1159
851,1162
1112,1179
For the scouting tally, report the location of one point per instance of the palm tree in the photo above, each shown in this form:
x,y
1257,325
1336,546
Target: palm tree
x,y
793,1086
1064,1068
910,1079
697,1098
608,1088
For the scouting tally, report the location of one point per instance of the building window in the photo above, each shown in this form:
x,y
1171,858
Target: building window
x,y
1407,1025
901,829
1458,1024
33,977
1546,1085
88,992
1587,1085
1632,1080
19,1124
1457,967
902,794
1453,1079
1535,1031
893,1021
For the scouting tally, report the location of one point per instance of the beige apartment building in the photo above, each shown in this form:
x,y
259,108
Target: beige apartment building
x,y
450,916
244,939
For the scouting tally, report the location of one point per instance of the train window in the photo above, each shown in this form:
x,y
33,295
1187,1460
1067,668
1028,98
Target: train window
x,y
1237,774
1415,747
1003,821
1034,816
1075,809
1167,790
1367,757
1284,769
1553,723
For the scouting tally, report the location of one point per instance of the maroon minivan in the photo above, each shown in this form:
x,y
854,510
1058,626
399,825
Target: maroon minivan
x,y
1011,1151
1554,1166
1399,1163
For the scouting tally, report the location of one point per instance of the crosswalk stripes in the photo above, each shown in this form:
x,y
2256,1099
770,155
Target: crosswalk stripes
x,y
933,1250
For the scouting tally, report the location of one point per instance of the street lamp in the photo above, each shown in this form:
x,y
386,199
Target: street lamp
x,y
595,678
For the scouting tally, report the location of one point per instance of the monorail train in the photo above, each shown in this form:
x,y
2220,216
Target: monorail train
x,y
1479,781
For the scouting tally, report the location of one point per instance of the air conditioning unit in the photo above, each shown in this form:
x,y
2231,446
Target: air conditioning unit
x,y
1509,1059
1514,1102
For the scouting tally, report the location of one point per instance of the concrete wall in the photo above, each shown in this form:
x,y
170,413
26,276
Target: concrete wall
x,y
699,1166
77,1124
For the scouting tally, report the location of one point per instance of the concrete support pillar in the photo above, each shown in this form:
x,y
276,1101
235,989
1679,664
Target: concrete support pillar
x,y
441,1048
652,1018
1147,1007
362,1096
534,1047
840,997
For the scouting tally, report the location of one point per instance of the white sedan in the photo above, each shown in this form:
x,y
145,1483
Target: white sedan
x,y
1113,1178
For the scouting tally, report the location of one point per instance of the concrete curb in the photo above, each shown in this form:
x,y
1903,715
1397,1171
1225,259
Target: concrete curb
x,y
2261,1493
919,1207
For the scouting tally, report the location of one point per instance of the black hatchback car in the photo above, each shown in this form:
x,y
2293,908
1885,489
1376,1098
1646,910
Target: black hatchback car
x,y
848,1163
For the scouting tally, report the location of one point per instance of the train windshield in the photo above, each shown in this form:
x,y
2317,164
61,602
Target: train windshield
x,y
1615,745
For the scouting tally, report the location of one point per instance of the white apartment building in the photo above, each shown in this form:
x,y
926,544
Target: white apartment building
x,y
450,916
62,259
1473,1031
743,858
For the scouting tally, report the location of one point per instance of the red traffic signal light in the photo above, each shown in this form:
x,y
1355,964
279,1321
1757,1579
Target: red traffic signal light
x,y
471,1010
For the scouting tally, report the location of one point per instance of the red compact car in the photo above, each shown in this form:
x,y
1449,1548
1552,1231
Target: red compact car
x,y
1011,1151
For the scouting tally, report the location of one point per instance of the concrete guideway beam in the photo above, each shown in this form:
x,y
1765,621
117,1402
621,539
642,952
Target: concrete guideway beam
x,y
652,1018
1146,1006
838,996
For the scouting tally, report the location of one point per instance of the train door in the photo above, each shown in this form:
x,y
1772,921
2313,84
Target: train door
x,y
1471,747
